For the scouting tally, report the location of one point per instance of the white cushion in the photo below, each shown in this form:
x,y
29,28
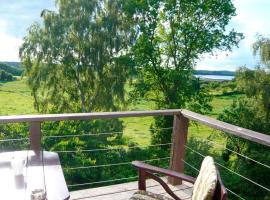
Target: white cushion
x,y
205,184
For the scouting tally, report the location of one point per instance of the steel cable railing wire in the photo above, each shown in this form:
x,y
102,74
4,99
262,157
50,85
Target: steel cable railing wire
x,y
113,180
113,164
158,129
106,165
235,194
129,178
15,143
244,156
110,149
191,166
194,168
82,135
97,134
105,149
248,179
14,139
107,181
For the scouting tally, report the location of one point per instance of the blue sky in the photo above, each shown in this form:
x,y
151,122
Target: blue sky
x,y
252,18
15,17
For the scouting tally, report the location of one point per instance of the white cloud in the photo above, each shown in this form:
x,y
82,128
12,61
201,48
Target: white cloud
x,y
15,17
252,18
9,45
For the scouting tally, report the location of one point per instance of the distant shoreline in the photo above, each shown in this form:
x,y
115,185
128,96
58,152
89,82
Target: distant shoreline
x,y
204,74
215,77
215,73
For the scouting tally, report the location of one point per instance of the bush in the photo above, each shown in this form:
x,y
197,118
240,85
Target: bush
x,y
11,70
5,76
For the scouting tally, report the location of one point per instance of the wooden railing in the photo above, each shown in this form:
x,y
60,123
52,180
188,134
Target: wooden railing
x,y
179,136
180,132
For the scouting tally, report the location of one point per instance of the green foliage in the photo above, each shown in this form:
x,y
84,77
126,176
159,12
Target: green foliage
x,y
11,70
77,60
160,136
256,85
14,131
5,76
83,142
252,112
172,36
171,42
222,88
219,103
245,113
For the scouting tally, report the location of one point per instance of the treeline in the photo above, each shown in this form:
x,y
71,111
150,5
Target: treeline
x,y
5,76
8,72
15,71
14,64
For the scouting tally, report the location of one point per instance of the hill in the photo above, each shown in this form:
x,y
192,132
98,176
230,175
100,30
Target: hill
x,y
13,64
218,73
15,71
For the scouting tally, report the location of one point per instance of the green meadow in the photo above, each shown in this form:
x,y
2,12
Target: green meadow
x,y
16,99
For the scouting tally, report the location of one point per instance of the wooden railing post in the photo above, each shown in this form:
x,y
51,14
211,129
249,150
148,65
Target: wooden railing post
x,y
35,136
179,138
142,180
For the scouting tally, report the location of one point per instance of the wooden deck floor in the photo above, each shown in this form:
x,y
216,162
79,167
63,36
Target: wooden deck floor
x,y
124,191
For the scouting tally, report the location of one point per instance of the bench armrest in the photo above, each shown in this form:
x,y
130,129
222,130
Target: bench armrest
x,y
153,169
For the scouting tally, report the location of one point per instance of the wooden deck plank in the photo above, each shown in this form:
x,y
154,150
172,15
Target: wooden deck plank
x,y
125,190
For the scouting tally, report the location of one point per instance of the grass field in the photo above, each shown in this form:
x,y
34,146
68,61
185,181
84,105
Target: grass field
x,y
16,99
219,103
137,129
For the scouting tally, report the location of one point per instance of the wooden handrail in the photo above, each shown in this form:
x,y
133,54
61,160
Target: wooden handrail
x,y
85,116
228,128
216,124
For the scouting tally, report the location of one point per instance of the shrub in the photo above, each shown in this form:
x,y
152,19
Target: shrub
x,y
5,76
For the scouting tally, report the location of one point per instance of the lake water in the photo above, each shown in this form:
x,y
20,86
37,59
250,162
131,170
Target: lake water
x,y
215,77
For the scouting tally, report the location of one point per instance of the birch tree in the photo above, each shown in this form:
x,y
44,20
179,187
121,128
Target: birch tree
x,y
76,59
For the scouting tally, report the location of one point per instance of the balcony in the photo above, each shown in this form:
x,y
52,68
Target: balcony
x,y
120,186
